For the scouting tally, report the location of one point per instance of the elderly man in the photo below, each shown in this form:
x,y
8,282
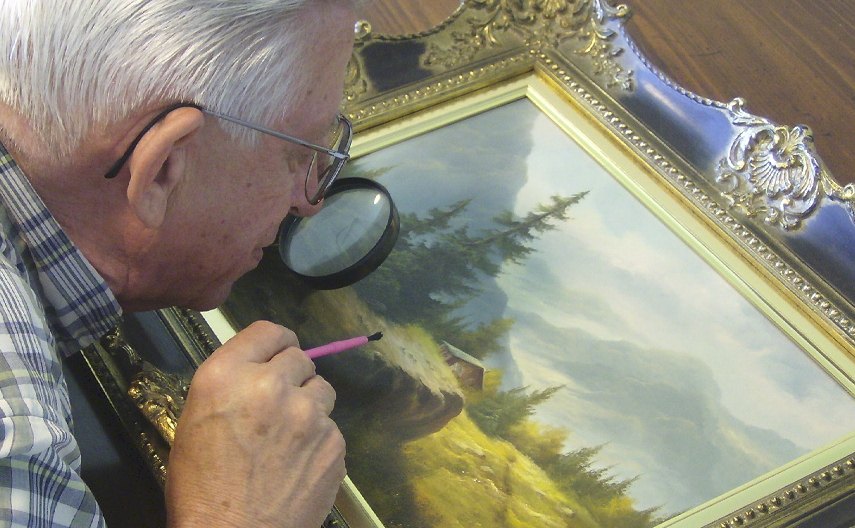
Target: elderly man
x,y
149,93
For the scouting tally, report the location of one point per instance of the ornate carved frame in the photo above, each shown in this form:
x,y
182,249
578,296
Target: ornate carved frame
x,y
758,184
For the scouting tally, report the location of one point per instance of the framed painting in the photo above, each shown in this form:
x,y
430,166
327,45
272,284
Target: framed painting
x,y
612,302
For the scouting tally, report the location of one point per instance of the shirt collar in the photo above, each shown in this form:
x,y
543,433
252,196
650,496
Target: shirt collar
x,y
79,304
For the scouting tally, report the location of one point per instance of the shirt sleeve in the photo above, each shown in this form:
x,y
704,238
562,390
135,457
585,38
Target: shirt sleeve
x,y
40,484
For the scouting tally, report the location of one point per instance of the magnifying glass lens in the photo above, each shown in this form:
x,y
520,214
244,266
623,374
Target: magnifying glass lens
x,y
347,239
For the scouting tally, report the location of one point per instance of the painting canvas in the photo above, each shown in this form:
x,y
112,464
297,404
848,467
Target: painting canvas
x,y
553,354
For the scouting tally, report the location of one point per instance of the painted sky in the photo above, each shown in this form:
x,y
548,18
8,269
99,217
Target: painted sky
x,y
651,289
684,382
622,276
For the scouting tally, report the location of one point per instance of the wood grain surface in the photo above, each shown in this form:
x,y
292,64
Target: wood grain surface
x,y
792,60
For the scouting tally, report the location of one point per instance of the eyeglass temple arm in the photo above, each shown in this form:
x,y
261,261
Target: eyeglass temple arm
x,y
280,135
116,167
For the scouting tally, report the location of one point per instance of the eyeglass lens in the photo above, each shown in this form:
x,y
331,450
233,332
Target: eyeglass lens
x,y
328,166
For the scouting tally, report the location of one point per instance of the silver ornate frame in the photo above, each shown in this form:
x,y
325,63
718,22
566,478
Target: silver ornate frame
x,y
762,185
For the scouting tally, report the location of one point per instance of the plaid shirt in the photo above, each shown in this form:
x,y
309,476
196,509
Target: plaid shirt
x,y
52,302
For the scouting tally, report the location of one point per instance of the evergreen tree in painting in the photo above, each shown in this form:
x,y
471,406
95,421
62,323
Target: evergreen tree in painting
x,y
437,264
509,415
497,415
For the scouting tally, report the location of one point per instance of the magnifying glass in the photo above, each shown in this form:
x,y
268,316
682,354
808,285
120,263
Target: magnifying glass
x,y
346,240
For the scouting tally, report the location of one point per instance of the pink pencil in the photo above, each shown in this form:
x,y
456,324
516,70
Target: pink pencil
x,y
340,346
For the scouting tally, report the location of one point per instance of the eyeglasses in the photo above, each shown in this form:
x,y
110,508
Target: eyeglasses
x,y
327,162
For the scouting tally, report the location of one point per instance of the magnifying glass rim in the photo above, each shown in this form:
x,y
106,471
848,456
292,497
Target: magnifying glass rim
x,y
365,265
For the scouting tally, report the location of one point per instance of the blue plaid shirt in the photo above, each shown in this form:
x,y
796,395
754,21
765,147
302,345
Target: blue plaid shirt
x,y
52,303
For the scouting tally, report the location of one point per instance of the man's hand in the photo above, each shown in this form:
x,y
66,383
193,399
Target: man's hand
x,y
255,445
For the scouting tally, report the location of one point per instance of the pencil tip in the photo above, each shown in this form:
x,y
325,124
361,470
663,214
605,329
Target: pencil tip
x,y
375,336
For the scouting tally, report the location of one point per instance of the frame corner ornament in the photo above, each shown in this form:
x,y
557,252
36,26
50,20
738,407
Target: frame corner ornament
x,y
542,24
355,84
774,170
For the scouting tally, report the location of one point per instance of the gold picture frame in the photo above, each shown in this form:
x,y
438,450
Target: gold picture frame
x,y
748,196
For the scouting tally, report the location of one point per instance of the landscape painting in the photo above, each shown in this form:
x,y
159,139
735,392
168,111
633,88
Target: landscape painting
x,y
553,355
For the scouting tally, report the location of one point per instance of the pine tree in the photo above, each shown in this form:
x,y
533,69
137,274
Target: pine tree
x,y
480,341
511,240
498,414
436,267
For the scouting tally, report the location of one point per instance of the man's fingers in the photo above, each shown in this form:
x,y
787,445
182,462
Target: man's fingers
x,y
294,366
322,392
259,342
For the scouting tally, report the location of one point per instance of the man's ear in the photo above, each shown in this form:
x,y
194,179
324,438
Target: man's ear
x,y
158,164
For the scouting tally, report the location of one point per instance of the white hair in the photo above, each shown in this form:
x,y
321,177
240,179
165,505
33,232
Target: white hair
x,y
70,65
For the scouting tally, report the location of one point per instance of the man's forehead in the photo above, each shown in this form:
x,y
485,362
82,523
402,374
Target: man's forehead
x,y
317,105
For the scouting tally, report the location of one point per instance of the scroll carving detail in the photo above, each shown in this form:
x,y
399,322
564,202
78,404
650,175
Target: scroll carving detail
x,y
774,171
544,23
355,83
158,395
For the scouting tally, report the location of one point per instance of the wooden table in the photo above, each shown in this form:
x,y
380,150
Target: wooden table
x,y
792,60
